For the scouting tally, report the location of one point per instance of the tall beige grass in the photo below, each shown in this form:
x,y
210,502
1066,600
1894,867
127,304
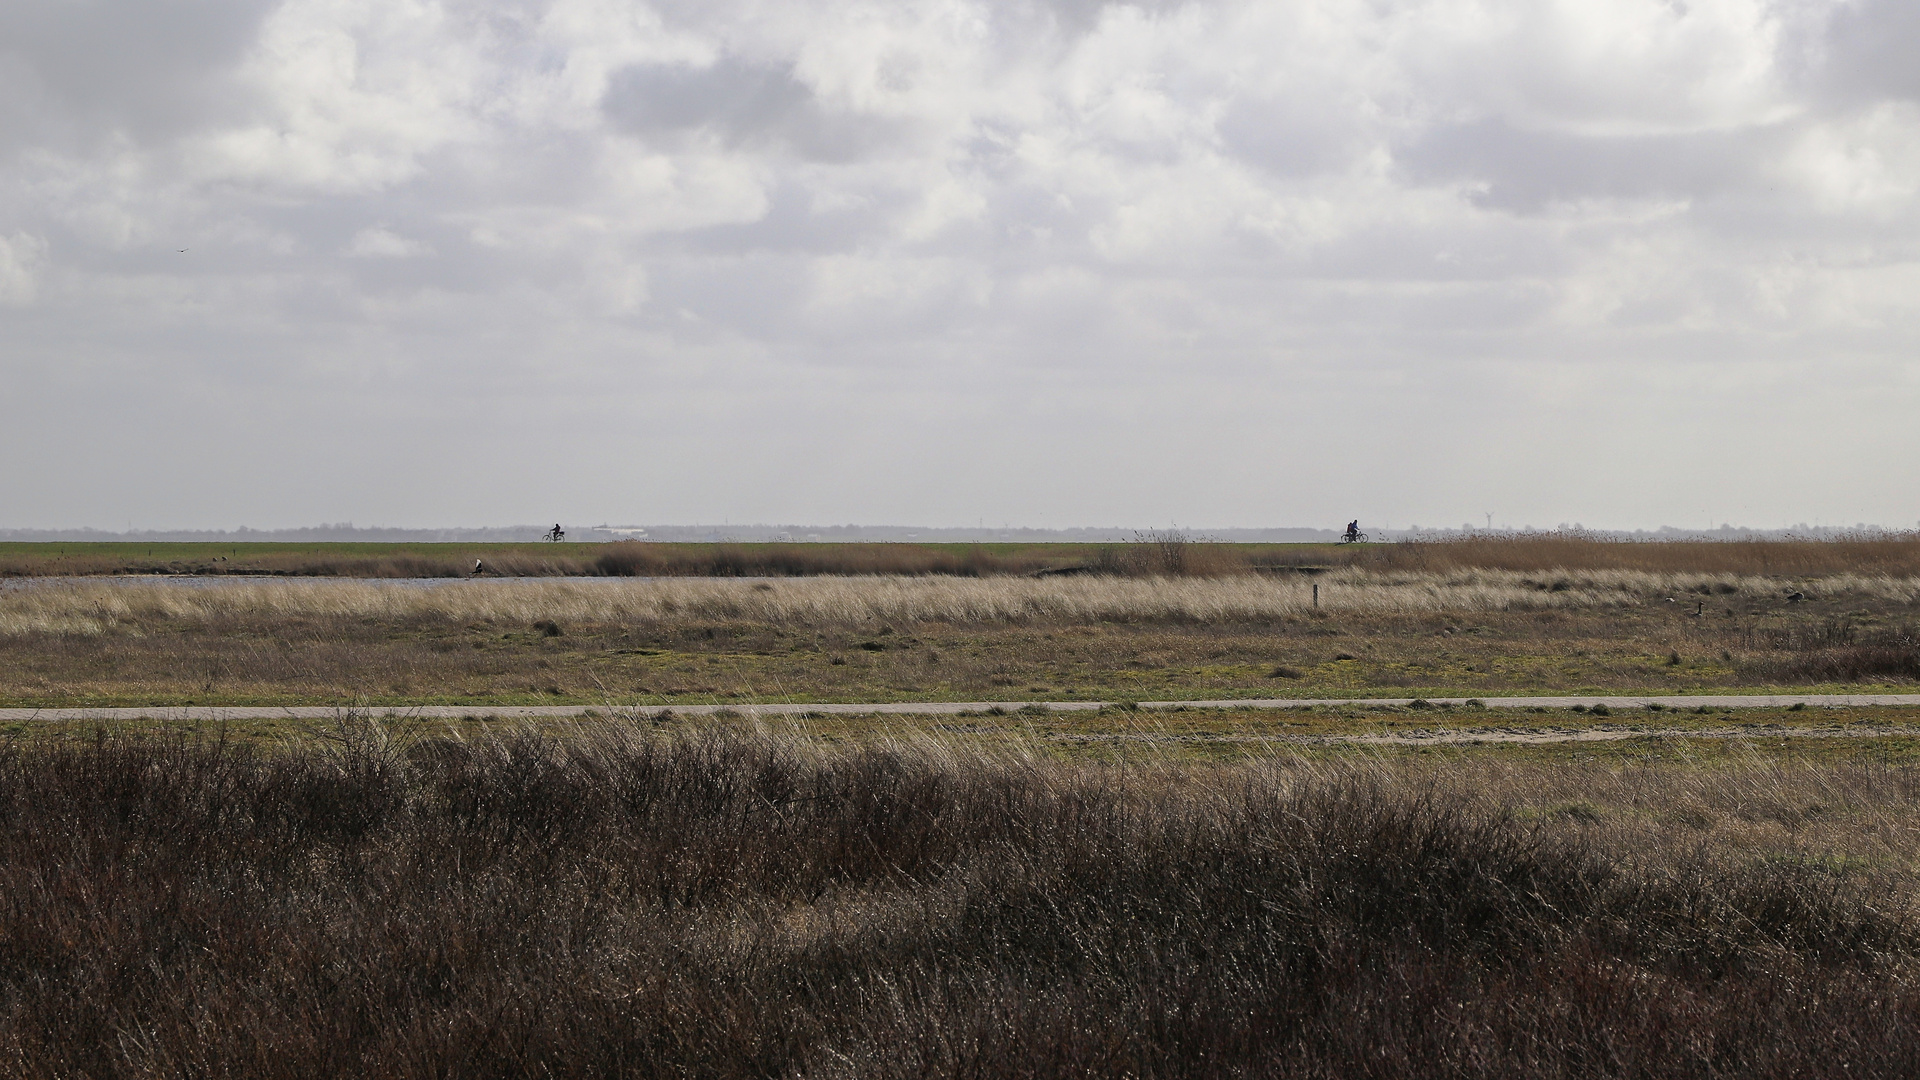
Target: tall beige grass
x,y
91,607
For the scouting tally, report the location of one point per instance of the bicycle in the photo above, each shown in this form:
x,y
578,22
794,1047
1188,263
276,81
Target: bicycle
x,y
1354,538
554,535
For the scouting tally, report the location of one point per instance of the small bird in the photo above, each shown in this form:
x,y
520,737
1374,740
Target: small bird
x,y
1794,597
477,568
1700,609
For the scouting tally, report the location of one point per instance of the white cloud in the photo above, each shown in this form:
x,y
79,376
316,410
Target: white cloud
x,y
377,242
21,256
350,94
1867,163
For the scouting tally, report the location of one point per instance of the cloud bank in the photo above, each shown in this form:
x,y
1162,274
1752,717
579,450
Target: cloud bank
x,y
1047,262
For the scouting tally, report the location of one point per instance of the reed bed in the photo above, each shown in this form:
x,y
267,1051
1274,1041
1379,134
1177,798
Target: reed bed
x,y
629,902
82,607
623,559
1888,554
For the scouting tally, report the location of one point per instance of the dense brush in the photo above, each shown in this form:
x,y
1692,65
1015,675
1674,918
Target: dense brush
x,y
623,902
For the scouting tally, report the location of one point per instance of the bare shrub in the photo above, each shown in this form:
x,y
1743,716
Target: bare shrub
x,y
1832,651
1892,553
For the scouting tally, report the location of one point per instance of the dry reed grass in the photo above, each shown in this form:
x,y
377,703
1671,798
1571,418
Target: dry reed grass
x,y
624,902
1889,554
623,559
91,608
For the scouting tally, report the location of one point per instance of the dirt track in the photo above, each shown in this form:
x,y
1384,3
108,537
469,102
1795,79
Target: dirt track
x,y
933,708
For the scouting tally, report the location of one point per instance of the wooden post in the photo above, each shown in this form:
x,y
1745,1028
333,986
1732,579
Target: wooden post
x,y
1316,596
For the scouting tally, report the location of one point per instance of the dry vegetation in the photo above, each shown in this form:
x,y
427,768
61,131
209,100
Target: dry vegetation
x,y
931,638
87,608
1875,554
625,902
1059,896
1151,554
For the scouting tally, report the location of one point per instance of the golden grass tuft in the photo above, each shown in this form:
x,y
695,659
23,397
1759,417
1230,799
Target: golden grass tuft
x,y
88,607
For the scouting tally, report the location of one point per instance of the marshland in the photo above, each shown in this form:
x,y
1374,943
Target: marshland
x,y
1313,892
1149,553
1352,631
621,899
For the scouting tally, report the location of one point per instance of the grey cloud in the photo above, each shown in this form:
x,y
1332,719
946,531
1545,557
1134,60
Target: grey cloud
x,y
1074,17
1289,138
793,224
1526,170
1079,16
744,104
149,70
1870,50
1065,258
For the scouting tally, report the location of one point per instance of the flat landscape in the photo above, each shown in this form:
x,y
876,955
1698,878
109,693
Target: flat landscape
x,y
677,885
1402,621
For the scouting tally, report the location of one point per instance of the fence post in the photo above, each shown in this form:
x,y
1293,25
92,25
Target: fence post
x,y
1316,596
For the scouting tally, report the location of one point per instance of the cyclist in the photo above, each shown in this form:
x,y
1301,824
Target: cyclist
x,y
1353,531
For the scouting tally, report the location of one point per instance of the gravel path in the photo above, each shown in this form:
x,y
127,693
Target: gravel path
x,y
920,708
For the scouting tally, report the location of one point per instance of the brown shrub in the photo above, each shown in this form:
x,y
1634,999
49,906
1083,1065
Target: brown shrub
x,y
1832,651
1894,554
717,905
1151,554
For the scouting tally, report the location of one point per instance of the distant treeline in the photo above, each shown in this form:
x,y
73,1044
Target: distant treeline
x,y
343,533
349,533
1148,554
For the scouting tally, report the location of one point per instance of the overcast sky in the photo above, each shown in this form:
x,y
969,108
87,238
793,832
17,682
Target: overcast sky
x,y
1040,262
